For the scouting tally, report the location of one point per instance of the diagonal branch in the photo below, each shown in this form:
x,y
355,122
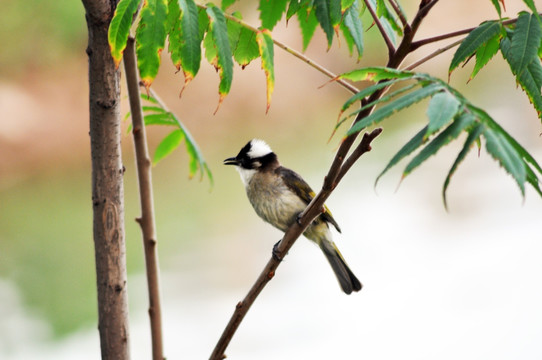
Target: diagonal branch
x,y
336,172
389,43
399,13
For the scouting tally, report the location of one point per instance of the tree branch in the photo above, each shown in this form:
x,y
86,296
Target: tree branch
x,y
107,185
399,13
146,221
336,172
420,43
389,43
433,54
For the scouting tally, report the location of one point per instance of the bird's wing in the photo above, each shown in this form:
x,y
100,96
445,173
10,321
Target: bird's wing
x,y
304,191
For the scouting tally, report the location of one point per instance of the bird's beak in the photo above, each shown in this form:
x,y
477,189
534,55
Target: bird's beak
x,y
231,161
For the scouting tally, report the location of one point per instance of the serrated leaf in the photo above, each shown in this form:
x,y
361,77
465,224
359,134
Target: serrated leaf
x,y
395,106
485,53
345,4
384,13
234,30
293,8
476,38
530,79
271,12
184,38
210,50
442,109
153,109
501,151
308,23
265,45
328,14
352,22
474,135
167,145
418,140
525,43
150,39
247,47
444,138
380,100
224,62
376,74
119,29
366,92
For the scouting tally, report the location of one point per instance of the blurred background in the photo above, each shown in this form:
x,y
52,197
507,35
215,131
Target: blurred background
x,y
458,284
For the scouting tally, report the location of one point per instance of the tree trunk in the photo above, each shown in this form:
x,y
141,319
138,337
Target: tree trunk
x,y
107,184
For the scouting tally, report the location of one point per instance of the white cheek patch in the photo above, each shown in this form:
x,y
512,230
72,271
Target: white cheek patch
x,y
246,174
258,149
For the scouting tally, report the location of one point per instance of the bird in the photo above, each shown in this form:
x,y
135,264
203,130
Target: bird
x,y
279,195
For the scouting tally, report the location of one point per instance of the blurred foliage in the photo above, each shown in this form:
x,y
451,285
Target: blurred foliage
x,y
56,27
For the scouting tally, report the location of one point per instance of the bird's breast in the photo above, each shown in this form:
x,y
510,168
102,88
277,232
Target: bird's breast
x,y
273,201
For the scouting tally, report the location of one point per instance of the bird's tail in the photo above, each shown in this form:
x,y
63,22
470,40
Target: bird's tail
x,y
348,281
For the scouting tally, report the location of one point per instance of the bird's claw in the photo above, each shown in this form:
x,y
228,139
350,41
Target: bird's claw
x,y
276,252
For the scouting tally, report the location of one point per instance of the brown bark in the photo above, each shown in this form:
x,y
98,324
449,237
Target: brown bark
x,y
107,184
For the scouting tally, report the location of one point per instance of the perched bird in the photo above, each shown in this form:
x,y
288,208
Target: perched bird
x,y
279,195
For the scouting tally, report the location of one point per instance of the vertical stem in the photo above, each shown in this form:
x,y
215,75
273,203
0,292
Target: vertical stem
x,y
107,184
146,221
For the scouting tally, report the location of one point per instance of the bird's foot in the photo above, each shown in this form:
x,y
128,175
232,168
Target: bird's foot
x,y
276,253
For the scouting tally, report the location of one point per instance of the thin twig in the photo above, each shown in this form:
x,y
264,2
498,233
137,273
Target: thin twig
x,y
146,221
389,43
419,43
433,54
399,13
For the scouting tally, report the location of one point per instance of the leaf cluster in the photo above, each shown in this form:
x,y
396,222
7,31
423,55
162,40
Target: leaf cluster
x,y
449,115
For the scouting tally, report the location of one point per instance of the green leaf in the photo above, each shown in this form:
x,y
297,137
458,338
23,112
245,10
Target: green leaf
x,y
531,5
366,92
525,43
380,100
395,106
211,53
474,135
203,21
234,31
159,119
167,145
418,140
226,4
224,62
293,8
376,74
271,12
345,4
530,79
497,6
485,53
150,39
247,47
119,29
265,45
384,13
328,14
442,109
352,22
444,138
308,23
501,151
184,39
476,38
